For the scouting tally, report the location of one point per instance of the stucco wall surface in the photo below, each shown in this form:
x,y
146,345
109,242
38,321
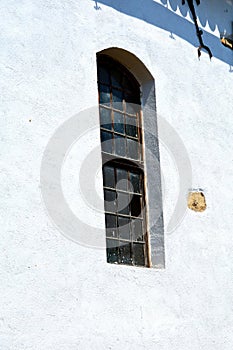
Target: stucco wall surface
x,y
57,294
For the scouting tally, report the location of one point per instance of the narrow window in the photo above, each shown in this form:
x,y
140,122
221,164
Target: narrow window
x,y
123,164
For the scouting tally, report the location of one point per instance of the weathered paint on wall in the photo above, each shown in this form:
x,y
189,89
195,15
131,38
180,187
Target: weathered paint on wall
x,y
56,294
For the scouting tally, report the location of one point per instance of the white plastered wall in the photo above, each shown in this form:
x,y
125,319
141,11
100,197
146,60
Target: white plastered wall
x,y
56,294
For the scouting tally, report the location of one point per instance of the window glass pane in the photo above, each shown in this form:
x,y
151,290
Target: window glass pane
x,y
124,228
138,254
108,175
111,225
132,149
120,145
132,104
105,118
122,179
127,83
110,201
103,75
135,205
135,181
104,92
112,250
119,123
117,98
131,126
123,203
116,77
137,230
125,253
106,141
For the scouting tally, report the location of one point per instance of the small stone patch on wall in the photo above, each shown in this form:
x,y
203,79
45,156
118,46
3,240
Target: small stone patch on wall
x,y
196,201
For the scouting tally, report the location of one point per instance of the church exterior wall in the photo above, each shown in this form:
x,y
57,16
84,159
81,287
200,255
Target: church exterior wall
x,y
60,294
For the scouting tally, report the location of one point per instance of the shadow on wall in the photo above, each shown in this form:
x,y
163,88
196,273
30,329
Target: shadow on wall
x,y
216,14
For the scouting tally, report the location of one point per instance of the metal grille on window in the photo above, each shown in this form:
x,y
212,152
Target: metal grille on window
x,y
123,167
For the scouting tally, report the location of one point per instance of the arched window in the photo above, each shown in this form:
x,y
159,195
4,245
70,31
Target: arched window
x,y
123,164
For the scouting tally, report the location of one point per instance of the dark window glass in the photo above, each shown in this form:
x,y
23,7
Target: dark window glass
x,y
111,225
106,141
112,250
120,145
125,255
116,77
131,104
124,227
110,201
123,203
103,75
108,176
122,179
117,99
135,205
127,83
135,181
123,176
139,257
131,126
119,125
105,118
137,230
132,149
104,94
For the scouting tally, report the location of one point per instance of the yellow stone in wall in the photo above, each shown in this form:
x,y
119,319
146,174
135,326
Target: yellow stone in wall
x,y
196,201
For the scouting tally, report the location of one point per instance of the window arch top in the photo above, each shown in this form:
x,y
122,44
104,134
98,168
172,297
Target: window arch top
x,y
122,85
